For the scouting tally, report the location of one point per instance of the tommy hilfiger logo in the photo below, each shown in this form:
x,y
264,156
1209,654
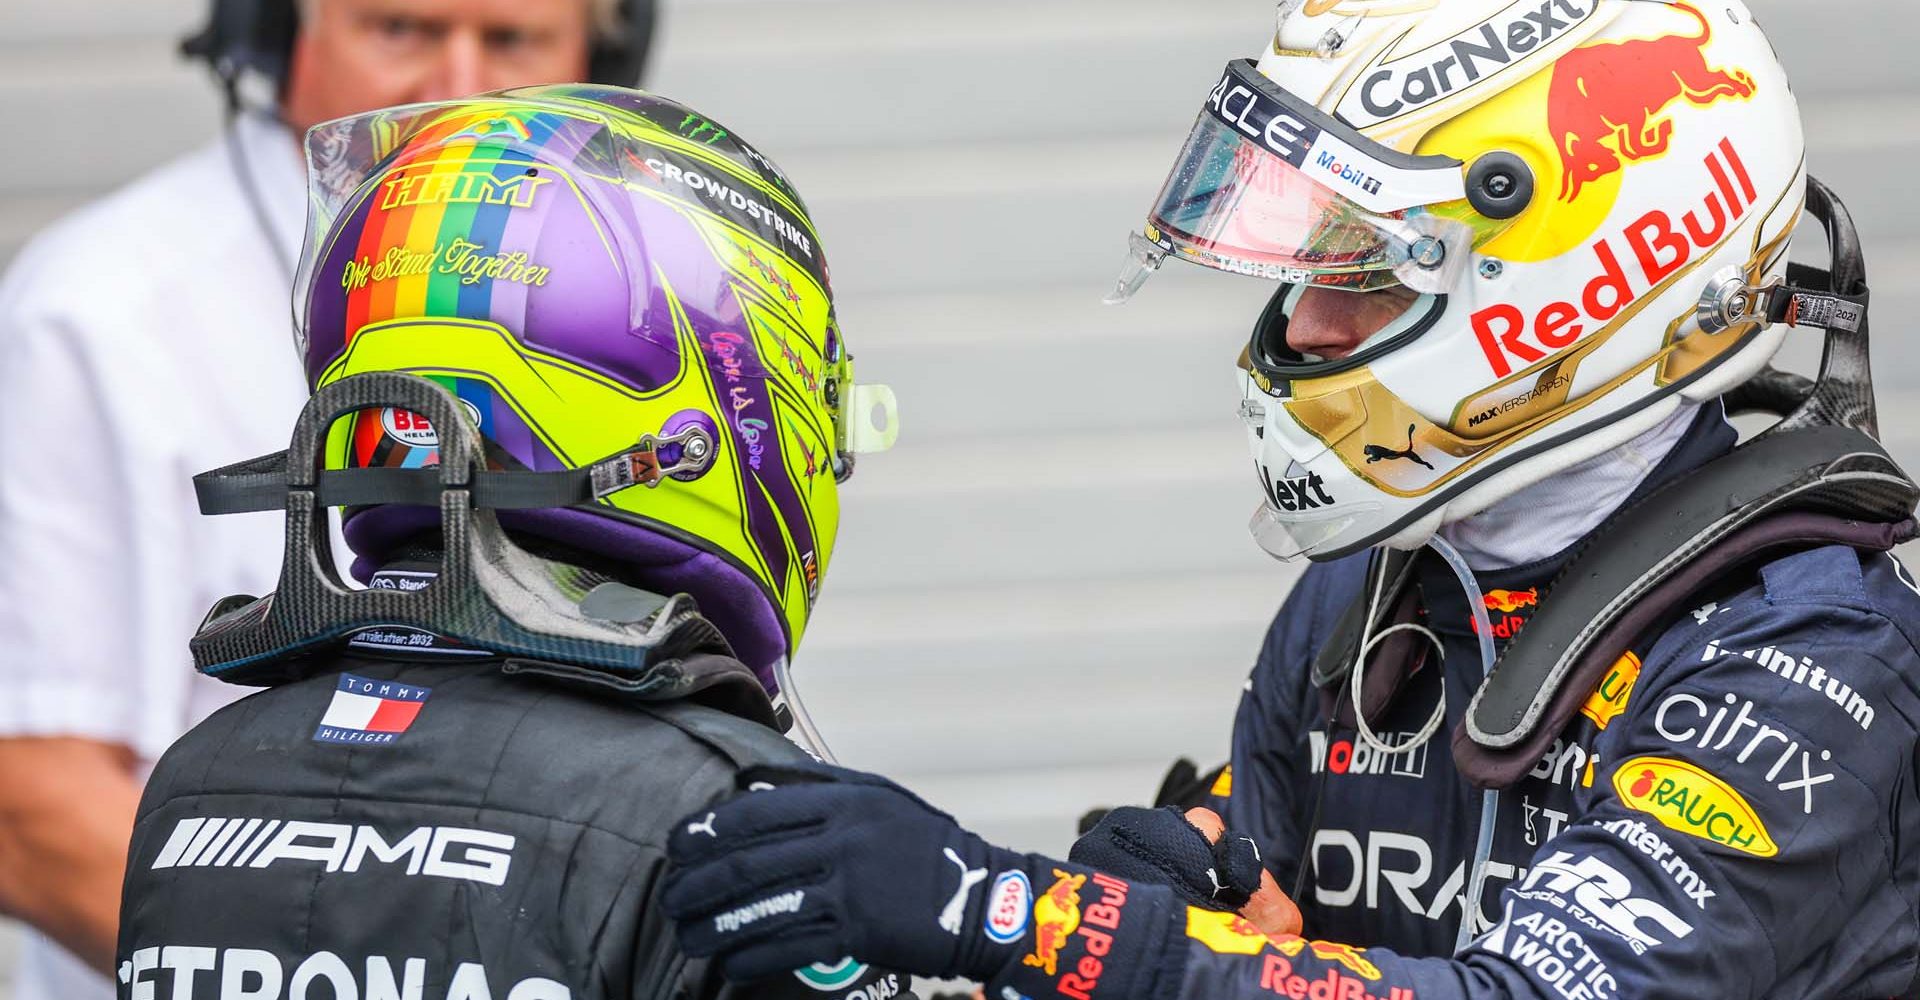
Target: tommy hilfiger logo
x,y
370,712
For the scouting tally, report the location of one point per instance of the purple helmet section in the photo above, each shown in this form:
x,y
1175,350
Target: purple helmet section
x,y
620,266
727,597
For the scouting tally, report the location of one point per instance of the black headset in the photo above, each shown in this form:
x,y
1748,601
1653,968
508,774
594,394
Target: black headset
x,y
244,36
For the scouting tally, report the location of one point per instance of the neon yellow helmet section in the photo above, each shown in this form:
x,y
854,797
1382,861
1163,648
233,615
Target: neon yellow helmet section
x,y
586,268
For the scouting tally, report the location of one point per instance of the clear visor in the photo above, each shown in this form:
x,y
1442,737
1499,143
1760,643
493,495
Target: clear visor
x,y
1268,185
1290,535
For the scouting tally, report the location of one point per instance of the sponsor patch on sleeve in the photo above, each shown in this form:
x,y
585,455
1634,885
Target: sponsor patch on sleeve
x,y
1609,699
1689,800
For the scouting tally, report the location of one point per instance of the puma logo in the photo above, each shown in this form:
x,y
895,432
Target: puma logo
x,y
1214,877
1381,453
956,907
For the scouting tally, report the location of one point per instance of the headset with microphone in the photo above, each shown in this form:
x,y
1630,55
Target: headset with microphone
x,y
244,37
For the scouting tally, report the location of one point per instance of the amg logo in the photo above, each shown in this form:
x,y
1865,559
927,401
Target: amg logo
x,y
214,842
472,187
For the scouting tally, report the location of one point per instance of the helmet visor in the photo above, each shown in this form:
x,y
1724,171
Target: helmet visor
x,y
1270,186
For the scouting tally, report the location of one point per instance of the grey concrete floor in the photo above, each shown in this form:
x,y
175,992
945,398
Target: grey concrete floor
x,y
1046,591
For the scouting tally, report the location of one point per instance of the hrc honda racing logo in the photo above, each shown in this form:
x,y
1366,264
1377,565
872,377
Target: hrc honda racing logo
x,y
186,972
1599,896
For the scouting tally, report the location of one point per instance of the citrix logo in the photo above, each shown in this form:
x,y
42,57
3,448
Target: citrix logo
x,y
1679,720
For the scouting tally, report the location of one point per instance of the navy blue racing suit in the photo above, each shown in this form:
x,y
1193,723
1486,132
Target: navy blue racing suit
x,y
1733,812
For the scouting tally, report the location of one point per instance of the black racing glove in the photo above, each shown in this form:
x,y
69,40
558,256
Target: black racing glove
x,y
1159,845
828,863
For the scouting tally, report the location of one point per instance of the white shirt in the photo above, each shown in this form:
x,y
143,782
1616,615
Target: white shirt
x,y
143,339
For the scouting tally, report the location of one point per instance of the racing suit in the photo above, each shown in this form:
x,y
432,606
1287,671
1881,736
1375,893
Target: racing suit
x,y
409,828
1730,814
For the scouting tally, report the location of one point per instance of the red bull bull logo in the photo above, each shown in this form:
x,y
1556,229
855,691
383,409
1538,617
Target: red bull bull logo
x,y
1056,915
1608,100
1510,601
1353,958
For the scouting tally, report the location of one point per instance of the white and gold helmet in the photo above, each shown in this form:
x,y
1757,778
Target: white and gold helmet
x,y
1575,198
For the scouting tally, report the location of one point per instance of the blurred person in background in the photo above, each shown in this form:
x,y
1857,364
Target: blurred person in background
x,y
1582,698
144,338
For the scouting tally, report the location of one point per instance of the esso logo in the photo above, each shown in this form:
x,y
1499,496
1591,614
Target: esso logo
x,y
412,429
1009,906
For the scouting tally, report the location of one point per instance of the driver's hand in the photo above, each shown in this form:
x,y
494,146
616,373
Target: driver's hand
x,y
1268,908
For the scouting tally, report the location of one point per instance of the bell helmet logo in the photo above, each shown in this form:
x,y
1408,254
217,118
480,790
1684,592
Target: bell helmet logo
x,y
1607,101
415,431
1687,799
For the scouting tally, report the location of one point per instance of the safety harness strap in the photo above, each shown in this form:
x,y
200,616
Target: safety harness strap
x,y
1824,484
262,483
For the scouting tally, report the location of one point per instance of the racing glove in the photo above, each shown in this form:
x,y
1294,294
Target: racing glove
x,y
1159,845
821,862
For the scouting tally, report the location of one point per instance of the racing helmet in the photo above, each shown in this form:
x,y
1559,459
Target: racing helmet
x,y
593,272
1577,202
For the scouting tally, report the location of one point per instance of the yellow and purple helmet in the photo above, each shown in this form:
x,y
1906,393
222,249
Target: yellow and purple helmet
x,y
585,268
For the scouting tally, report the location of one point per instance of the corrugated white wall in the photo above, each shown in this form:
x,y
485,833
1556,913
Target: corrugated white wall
x,y
1046,591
